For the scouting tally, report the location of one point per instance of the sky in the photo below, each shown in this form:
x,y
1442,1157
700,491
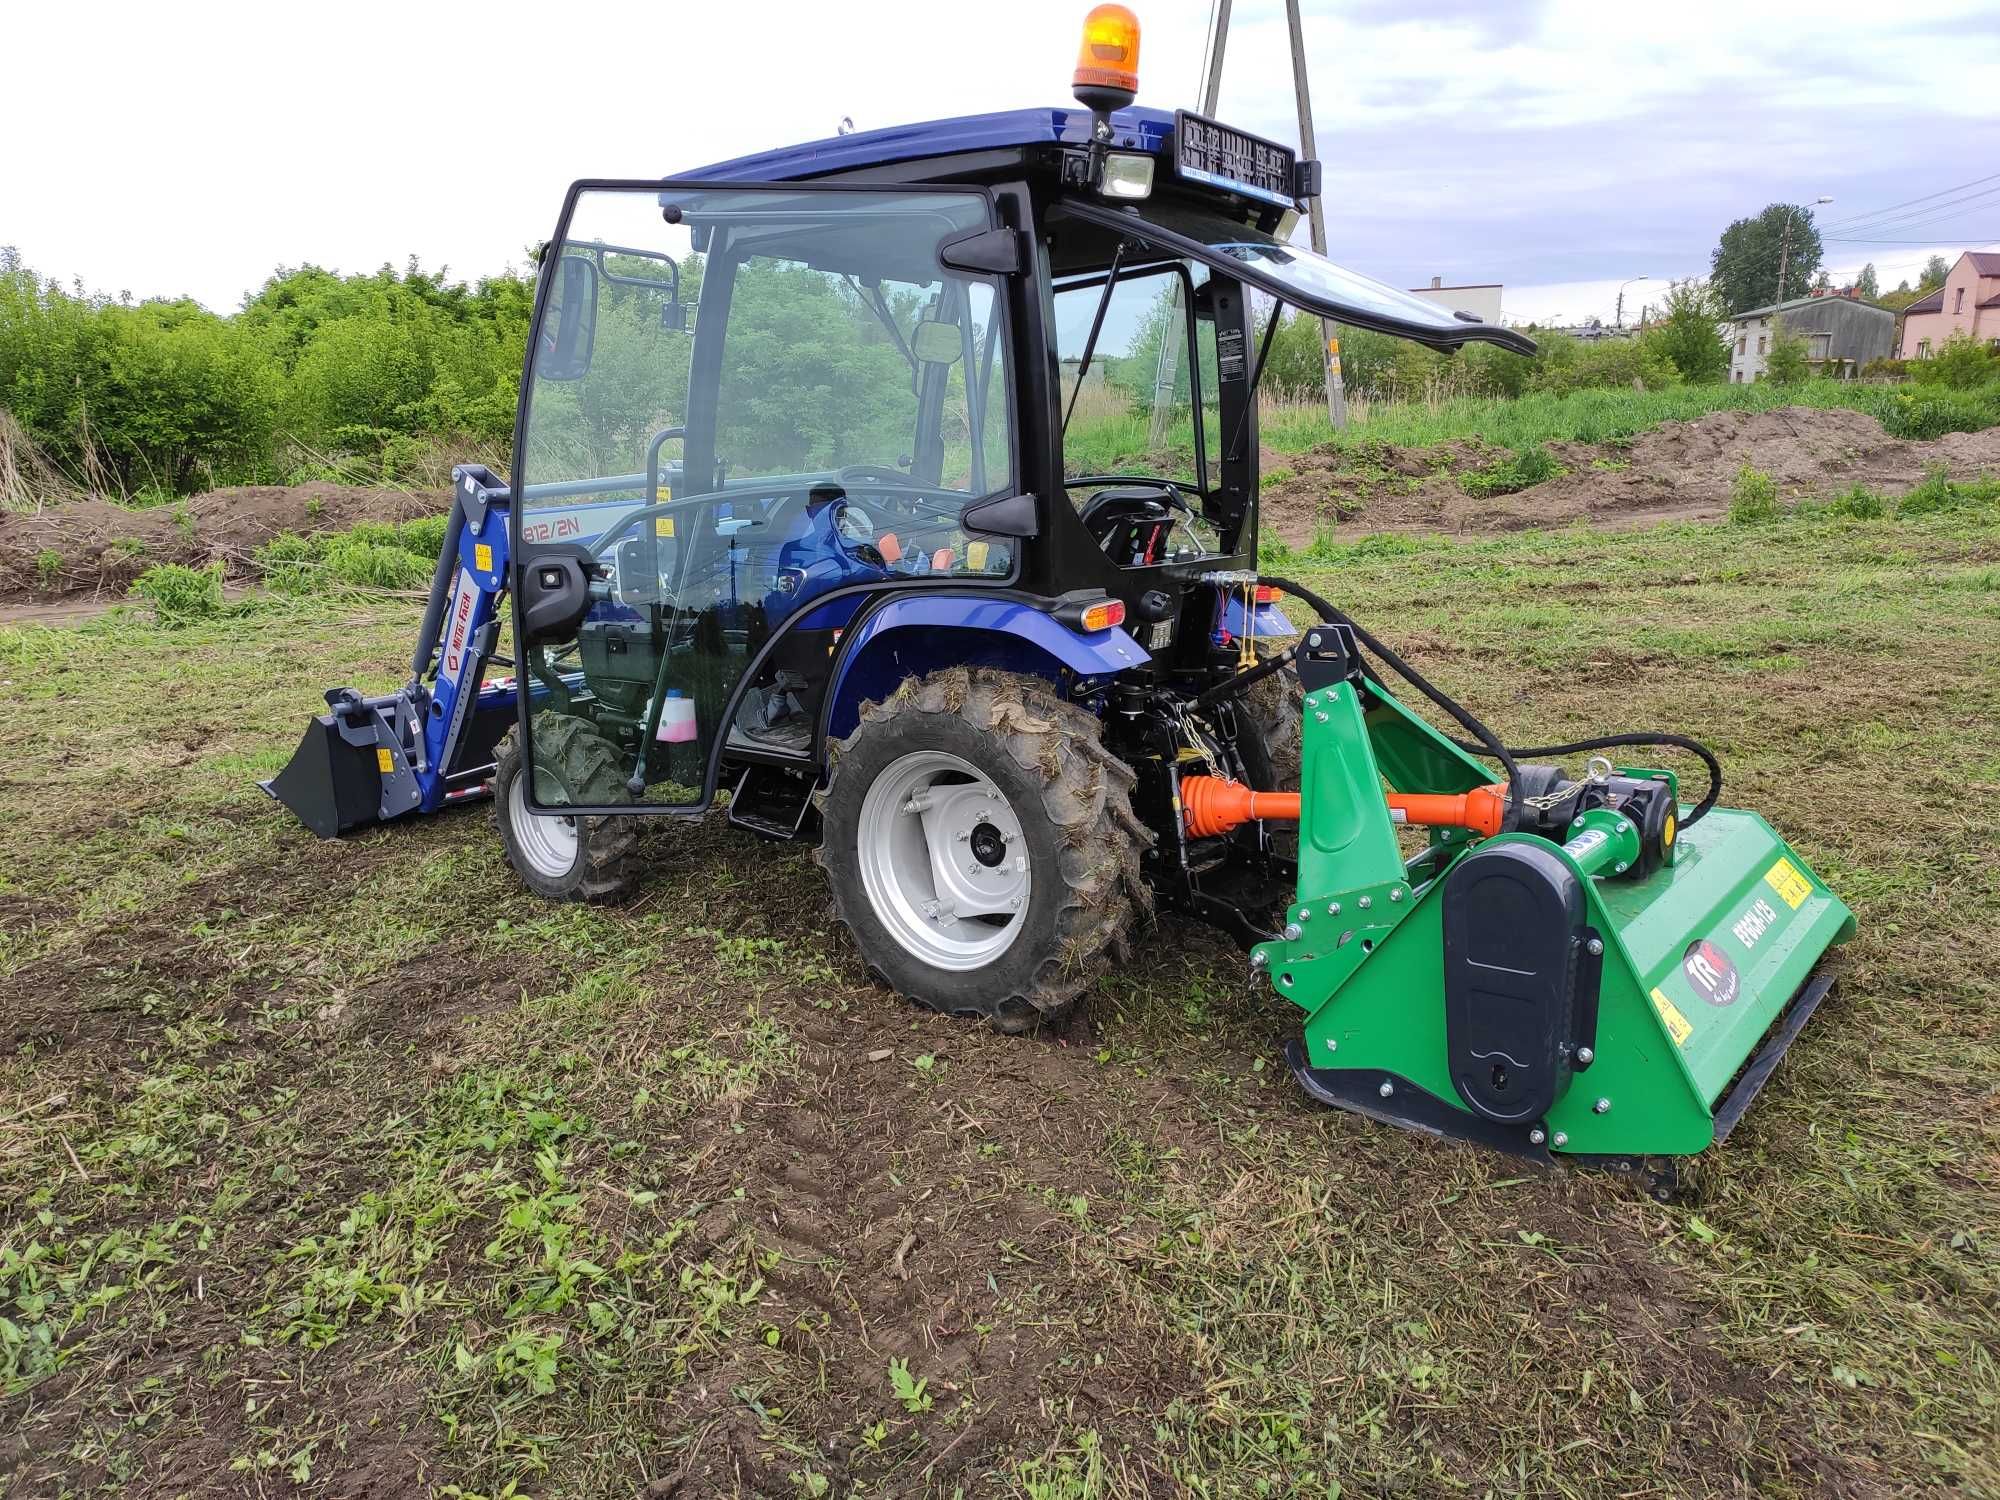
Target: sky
x,y
1558,147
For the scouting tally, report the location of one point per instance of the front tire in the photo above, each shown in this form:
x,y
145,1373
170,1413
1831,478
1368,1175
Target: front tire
x,y
565,858
981,846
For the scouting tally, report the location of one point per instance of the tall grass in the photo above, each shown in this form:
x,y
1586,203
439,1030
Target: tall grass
x,y
1107,433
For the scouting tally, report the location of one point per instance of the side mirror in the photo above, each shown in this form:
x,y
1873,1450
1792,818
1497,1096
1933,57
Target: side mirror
x,y
569,322
937,343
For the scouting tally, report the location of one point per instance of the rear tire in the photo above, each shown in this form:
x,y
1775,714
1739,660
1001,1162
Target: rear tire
x,y
565,858
1018,790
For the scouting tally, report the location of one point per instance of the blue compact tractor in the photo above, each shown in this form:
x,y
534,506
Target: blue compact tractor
x,y
902,489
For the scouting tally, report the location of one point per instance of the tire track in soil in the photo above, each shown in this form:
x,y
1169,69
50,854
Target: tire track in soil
x,y
889,1235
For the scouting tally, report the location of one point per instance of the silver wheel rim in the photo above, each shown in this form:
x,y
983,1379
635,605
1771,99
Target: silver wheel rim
x,y
546,840
943,862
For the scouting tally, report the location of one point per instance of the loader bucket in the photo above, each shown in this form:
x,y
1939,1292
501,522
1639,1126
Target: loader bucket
x,y
1587,993
331,786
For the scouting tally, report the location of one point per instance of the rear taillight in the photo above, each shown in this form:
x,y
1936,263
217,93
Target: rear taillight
x,y
1103,616
1266,594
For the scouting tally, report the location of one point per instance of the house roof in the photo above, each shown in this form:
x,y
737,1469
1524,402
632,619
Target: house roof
x,y
1993,301
1932,303
1821,301
1984,262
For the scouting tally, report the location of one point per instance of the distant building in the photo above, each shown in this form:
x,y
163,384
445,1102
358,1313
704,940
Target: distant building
x,y
1968,302
1842,333
1482,300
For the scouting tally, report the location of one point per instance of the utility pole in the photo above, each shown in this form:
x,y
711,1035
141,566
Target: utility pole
x,y
1620,315
1785,243
1166,367
1336,394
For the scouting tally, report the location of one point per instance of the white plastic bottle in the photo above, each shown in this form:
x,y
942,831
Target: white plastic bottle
x,y
677,726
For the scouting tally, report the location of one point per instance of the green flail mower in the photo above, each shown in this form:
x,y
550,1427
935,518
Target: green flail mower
x,y
1585,970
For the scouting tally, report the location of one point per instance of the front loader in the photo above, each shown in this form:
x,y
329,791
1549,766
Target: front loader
x,y
815,512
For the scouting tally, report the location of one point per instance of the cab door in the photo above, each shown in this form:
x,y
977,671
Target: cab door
x,y
739,399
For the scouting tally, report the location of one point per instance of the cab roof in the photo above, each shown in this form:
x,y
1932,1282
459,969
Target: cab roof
x,y
1133,130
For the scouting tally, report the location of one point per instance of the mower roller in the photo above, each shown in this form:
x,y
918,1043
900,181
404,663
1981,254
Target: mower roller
x,y
798,520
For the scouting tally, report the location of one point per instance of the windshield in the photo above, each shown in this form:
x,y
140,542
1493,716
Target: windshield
x,y
757,335
1298,276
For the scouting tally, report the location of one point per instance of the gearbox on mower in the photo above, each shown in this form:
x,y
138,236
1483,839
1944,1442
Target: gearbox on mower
x,y
813,508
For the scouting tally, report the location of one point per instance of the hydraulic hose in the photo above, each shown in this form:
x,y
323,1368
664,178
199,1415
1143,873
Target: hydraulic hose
x,y
1489,744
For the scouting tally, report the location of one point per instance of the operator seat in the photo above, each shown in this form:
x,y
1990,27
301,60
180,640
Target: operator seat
x,y
1130,522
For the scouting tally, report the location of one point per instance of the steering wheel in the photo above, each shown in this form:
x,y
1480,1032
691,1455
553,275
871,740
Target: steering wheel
x,y
874,474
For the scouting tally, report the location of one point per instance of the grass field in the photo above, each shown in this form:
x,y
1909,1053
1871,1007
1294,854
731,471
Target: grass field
x,y
1107,436
349,1169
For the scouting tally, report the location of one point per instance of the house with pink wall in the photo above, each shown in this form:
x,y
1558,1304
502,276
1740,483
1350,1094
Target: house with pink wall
x,y
1968,302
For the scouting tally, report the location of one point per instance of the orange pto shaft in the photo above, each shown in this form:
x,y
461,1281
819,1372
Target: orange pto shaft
x,y
1210,805
1483,809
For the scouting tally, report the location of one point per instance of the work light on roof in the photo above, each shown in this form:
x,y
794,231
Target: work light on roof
x,y
1107,62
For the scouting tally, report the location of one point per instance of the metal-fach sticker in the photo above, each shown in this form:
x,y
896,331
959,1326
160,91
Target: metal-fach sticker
x,y
1711,972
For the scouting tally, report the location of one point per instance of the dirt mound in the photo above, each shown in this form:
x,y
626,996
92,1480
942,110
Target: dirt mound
x,y
93,547
1677,471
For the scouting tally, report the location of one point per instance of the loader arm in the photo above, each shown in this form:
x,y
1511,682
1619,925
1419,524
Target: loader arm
x,y
431,742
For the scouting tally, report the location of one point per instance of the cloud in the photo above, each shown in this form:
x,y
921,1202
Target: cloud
x,y
1559,142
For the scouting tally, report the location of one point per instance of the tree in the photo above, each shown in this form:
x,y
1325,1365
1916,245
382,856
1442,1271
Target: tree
x,y
1787,363
1865,283
1686,334
1743,268
1935,271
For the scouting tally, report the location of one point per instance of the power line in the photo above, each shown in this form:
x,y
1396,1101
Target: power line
x,y
1852,221
1937,213
1835,239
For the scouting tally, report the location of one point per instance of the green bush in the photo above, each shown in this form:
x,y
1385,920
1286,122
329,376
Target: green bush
x,y
1524,469
1789,362
1922,416
373,555
1609,364
1754,498
167,396
1858,504
1939,492
180,595
1961,364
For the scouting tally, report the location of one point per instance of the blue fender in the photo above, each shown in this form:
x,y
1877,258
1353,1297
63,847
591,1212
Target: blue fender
x,y
914,635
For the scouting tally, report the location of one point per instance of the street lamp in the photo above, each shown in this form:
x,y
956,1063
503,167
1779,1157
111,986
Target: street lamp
x,y
1785,246
1621,297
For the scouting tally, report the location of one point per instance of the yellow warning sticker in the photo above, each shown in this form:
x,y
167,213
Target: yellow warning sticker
x,y
482,557
663,494
384,761
1670,1016
1785,879
663,526
975,556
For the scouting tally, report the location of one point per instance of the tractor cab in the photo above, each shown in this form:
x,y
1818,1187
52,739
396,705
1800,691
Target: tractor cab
x,y
800,426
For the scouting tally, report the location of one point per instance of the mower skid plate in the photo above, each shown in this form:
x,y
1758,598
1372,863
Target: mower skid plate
x,y
1722,941
1765,1063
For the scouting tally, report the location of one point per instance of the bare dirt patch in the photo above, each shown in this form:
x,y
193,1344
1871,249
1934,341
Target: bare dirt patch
x,y
1677,471
91,548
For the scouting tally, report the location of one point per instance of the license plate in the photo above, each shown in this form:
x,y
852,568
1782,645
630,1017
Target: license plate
x,y
1223,157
